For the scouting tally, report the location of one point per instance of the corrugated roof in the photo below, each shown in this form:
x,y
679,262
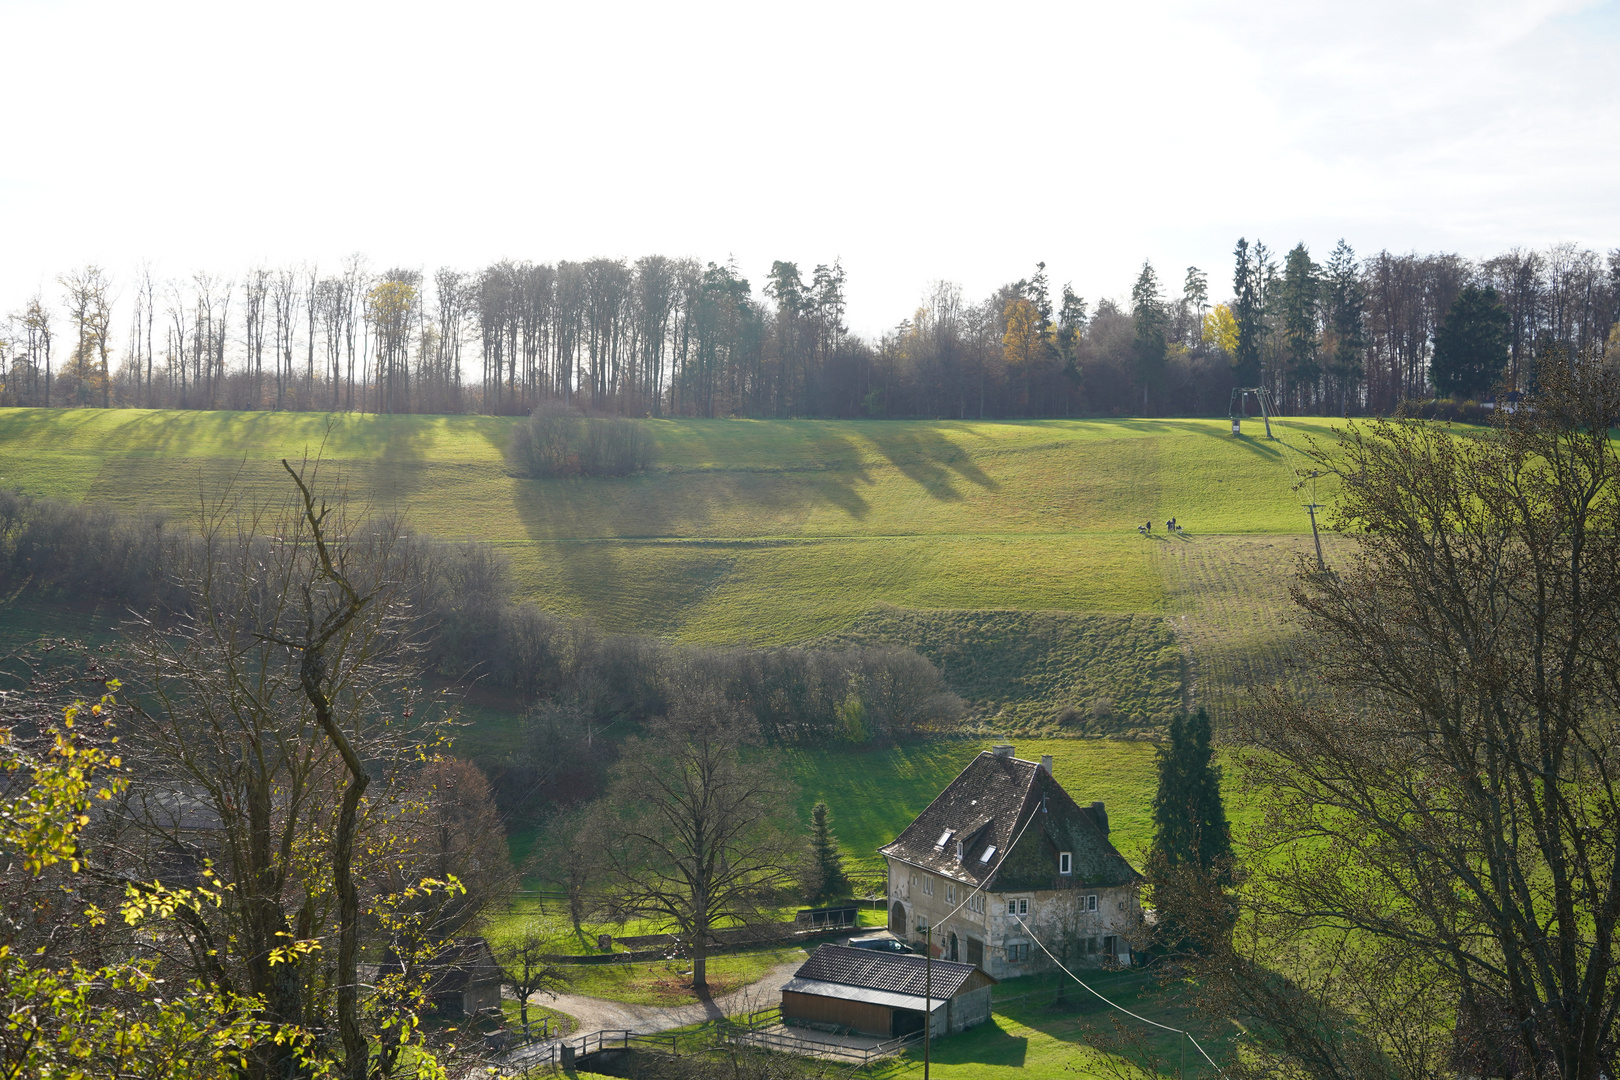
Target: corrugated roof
x,y
861,993
897,973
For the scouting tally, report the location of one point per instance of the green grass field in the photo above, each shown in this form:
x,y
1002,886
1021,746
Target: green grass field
x,y
825,518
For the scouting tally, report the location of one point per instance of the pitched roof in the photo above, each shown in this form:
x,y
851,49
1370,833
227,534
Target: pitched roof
x,y
896,973
987,807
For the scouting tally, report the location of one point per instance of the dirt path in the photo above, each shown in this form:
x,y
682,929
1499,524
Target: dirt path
x,y
599,1014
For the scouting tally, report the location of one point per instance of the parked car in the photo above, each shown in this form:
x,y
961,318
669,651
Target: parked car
x,y
881,943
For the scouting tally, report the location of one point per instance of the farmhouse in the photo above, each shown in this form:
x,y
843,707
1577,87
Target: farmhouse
x,y
1062,883
884,994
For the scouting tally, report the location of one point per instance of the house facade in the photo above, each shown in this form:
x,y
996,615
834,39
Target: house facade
x,y
1002,862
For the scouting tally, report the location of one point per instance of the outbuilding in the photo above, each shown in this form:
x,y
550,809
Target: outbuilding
x,y
884,994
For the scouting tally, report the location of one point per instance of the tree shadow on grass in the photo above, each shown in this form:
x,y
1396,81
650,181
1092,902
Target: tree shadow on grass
x,y
928,459
1247,442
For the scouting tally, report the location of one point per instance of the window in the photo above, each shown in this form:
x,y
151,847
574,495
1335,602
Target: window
x,y
950,894
1122,905
928,886
976,903
1018,953
959,851
989,853
944,838
1091,902
1018,907
1065,863
1023,907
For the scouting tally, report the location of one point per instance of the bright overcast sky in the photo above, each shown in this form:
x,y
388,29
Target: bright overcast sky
x,y
914,141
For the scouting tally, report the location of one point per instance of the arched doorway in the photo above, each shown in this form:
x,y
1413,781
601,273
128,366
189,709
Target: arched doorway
x,y
953,947
897,919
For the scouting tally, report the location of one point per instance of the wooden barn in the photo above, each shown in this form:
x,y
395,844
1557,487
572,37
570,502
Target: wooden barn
x,y
884,994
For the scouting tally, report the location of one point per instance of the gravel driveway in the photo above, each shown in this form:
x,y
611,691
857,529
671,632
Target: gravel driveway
x,y
598,1014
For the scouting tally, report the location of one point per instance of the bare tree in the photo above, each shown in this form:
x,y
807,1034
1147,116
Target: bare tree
x,y
1454,808
272,714
688,832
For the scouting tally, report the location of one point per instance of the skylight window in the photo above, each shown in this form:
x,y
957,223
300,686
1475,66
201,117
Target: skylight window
x,y
989,853
944,838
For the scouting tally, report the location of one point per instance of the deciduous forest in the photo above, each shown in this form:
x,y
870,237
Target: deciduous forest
x,y
665,336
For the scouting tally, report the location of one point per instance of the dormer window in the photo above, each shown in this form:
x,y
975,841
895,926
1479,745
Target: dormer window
x,y
959,851
1065,862
944,838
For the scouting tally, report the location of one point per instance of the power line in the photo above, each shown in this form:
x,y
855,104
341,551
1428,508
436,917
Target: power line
x,y
1114,1004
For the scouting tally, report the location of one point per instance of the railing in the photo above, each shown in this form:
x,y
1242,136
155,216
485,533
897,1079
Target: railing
x,y
557,1052
794,1044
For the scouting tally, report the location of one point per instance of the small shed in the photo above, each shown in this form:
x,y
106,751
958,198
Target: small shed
x,y
885,994
463,978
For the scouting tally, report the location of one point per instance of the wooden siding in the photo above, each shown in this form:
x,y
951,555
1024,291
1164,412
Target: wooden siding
x,y
859,1015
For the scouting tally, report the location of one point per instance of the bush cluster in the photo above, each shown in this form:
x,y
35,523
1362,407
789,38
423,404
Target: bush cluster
x,y
560,441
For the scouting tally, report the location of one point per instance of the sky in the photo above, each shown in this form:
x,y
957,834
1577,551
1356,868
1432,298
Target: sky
x,y
912,141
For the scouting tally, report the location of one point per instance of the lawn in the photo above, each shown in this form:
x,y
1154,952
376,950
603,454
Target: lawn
x,y
1038,1036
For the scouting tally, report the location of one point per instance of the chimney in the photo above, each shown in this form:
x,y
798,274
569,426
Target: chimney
x,y
1046,764
1100,816
1002,750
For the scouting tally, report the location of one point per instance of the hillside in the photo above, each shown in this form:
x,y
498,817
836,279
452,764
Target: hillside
x,y
1031,515
777,532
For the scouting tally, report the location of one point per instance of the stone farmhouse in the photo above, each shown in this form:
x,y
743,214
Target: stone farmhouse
x,y
1062,879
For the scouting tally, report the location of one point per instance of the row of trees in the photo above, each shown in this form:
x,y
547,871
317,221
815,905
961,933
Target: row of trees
x,y
665,336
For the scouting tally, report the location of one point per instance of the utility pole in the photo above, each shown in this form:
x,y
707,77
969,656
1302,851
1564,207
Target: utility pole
x,y
1312,508
928,993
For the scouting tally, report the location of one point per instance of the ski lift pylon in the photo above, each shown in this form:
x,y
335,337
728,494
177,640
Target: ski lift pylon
x,y
1240,404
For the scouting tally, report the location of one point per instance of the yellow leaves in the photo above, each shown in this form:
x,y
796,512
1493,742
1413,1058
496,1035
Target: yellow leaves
x,y
1023,333
1220,329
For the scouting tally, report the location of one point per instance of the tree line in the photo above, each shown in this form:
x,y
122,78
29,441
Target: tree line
x,y
662,336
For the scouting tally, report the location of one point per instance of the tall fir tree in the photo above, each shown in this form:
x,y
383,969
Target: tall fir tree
x,y
1247,311
1347,320
1471,346
1148,315
1190,864
824,875
1189,818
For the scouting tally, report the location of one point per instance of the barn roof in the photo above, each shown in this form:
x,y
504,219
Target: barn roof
x,y
890,973
987,807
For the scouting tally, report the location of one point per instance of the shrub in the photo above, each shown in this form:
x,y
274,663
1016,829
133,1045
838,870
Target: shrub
x,y
557,440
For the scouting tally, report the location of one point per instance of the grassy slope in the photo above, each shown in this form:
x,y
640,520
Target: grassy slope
x,y
1070,673
827,518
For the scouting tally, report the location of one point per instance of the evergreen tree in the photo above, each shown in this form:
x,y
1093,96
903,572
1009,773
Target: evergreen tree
x,y
1247,305
1471,346
1347,321
1188,815
1190,864
1147,312
824,872
1300,303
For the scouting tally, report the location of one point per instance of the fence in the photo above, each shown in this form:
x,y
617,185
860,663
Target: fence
x,y
567,1051
795,1044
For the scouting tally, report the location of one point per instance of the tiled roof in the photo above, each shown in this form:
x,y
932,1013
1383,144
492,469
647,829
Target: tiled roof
x,y
988,806
894,972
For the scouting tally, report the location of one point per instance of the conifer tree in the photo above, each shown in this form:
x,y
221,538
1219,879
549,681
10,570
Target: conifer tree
x,y
1189,818
1190,865
825,875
